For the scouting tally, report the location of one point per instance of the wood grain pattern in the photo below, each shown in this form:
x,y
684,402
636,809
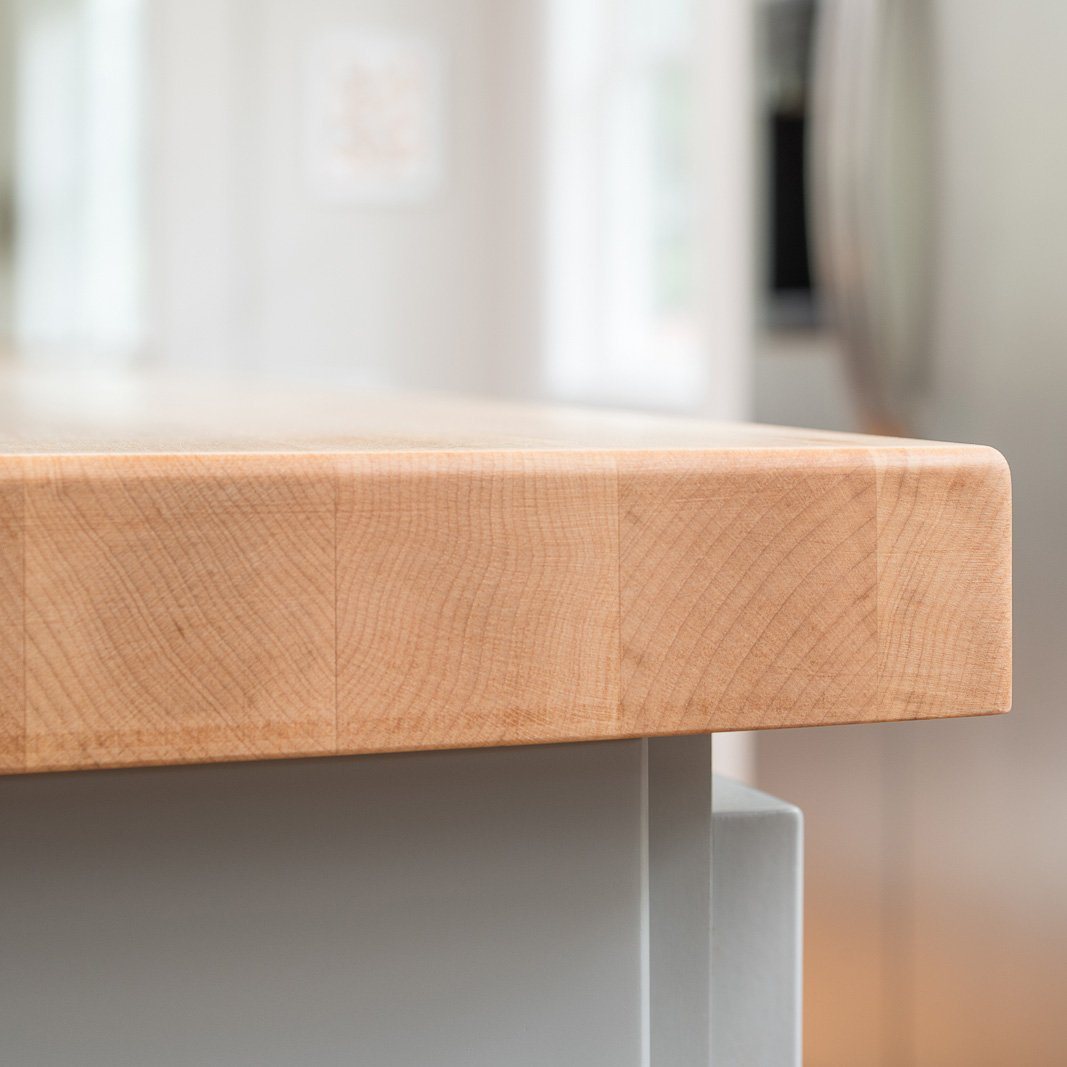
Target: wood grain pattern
x,y
177,609
328,575
478,599
944,564
750,581
12,605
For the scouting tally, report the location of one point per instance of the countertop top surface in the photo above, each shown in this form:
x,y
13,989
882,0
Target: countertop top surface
x,y
199,571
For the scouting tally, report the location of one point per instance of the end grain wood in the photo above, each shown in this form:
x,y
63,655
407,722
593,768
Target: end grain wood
x,y
366,596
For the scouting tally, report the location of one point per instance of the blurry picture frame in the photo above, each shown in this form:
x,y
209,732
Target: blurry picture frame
x,y
374,117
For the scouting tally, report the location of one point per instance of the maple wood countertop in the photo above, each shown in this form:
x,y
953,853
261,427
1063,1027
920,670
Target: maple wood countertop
x,y
198,572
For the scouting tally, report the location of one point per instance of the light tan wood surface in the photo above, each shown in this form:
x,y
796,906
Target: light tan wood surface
x,y
195,572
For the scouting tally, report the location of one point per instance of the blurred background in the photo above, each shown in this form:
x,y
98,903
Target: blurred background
x,y
835,213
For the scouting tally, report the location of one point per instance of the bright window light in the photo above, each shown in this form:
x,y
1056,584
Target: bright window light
x,y
623,300
78,273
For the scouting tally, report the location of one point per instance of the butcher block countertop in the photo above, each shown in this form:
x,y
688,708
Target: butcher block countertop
x,y
194,572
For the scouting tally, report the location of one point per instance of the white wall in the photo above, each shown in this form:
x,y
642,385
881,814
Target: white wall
x,y
252,273
258,276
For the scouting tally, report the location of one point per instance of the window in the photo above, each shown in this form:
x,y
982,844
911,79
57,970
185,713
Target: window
x,y
629,199
75,122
